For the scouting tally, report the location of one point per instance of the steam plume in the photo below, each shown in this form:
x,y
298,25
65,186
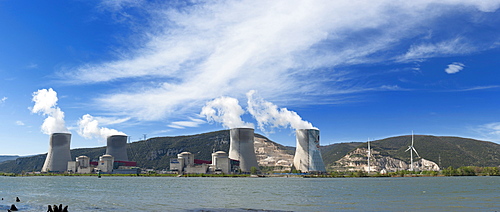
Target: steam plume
x,y
89,128
46,104
268,114
225,110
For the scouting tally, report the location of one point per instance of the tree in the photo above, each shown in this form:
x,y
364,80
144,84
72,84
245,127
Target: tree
x,y
253,170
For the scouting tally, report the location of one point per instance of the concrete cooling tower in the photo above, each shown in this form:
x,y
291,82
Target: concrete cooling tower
x,y
307,155
59,154
241,148
117,147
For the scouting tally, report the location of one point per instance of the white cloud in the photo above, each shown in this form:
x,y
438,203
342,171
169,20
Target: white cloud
x,y
225,110
390,88
46,104
20,123
88,127
3,100
268,115
454,68
490,131
193,122
481,88
110,120
455,46
282,48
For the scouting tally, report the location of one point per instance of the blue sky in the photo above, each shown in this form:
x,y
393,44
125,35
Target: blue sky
x,y
355,70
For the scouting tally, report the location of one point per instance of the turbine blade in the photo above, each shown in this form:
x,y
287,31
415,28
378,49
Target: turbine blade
x,y
415,151
409,147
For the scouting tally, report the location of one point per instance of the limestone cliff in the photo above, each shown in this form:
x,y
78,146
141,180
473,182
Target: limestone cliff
x,y
357,160
269,154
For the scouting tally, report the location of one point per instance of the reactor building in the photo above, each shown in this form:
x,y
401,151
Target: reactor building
x,y
59,153
117,147
185,163
307,155
115,161
241,148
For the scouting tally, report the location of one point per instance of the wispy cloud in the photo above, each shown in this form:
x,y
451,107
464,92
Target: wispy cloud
x,y
200,51
490,131
478,88
32,66
454,68
3,99
110,120
19,123
457,46
193,122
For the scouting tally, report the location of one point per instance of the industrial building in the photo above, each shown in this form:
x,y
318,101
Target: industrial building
x,y
221,162
307,155
58,154
115,161
186,163
241,148
80,166
106,165
117,147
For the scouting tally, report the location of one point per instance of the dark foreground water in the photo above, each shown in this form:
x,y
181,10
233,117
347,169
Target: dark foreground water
x,y
241,194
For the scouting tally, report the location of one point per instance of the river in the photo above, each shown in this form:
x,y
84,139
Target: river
x,y
240,194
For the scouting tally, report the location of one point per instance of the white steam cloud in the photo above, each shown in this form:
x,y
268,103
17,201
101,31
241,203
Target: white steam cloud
x,y
89,128
268,114
225,110
46,104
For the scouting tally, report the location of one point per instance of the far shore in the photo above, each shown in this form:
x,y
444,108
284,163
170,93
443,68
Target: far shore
x,y
226,175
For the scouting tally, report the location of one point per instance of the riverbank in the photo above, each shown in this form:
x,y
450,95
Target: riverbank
x,y
450,171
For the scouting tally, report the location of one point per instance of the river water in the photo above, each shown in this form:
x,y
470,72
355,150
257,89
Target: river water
x,y
241,194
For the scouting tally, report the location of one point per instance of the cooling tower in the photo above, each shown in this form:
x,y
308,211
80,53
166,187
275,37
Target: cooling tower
x,y
58,155
241,148
117,147
307,155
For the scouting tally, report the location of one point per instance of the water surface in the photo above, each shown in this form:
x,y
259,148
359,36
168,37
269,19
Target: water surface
x,y
239,194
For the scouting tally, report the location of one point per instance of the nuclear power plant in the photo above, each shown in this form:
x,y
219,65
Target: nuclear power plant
x,y
241,156
59,153
241,148
117,147
307,155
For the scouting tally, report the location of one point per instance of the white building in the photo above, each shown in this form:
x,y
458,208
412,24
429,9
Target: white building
x,y
72,166
83,165
106,163
220,162
185,163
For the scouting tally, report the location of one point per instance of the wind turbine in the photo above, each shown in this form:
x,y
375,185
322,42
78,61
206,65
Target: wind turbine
x,y
369,153
412,149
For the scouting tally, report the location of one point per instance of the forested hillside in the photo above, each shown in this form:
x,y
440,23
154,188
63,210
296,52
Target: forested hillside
x,y
444,150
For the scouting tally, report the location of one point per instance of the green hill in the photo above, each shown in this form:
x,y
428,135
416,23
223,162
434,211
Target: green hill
x,y
334,152
444,150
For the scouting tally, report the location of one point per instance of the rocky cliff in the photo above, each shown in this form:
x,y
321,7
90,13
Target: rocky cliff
x,y
357,160
271,154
